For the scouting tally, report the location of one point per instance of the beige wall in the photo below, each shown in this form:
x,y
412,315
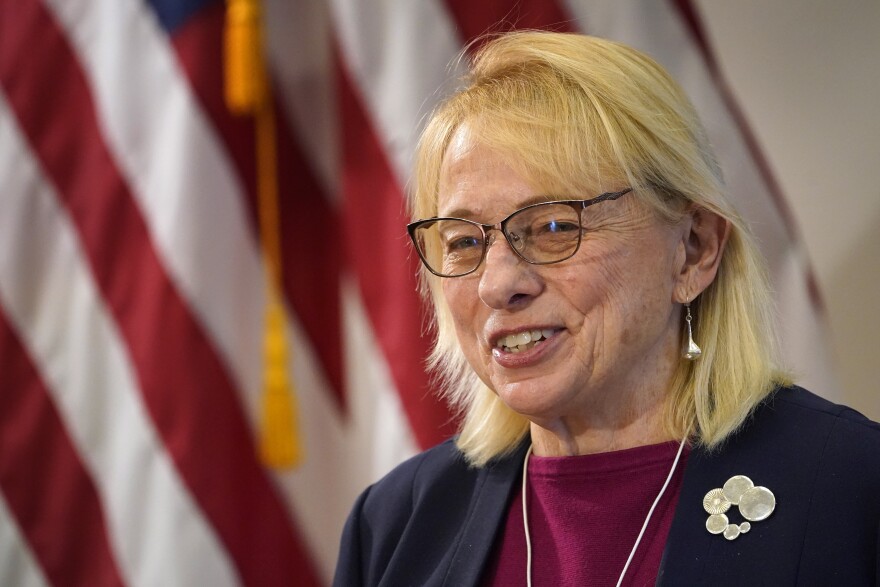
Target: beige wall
x,y
807,75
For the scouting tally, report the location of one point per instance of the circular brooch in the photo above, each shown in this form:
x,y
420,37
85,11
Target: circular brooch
x,y
755,504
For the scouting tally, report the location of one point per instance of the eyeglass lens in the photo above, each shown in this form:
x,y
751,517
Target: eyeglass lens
x,y
546,233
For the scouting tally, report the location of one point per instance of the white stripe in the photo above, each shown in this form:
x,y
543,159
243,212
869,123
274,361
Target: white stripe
x,y
300,45
17,563
157,532
657,29
402,58
343,457
344,454
179,174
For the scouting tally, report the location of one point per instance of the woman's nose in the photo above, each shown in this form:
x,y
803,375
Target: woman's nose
x,y
507,280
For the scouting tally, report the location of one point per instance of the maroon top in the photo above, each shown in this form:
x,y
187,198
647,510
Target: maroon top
x,y
585,513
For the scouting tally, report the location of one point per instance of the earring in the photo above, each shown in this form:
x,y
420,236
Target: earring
x,y
691,351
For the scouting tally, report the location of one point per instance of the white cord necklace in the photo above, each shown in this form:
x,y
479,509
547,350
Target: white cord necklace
x,y
641,532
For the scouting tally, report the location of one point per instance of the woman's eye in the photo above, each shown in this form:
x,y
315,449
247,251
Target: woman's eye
x,y
462,243
557,226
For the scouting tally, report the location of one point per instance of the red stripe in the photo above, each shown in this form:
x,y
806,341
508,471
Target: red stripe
x,y
694,24
43,480
312,251
493,16
186,388
386,268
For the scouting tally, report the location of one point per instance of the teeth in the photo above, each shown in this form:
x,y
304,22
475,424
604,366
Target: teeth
x,y
522,341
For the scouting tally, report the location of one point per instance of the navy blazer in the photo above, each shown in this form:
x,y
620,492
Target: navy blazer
x,y
434,520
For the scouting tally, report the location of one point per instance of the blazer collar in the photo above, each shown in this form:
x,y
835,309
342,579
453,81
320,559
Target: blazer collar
x,y
773,449
688,544
486,517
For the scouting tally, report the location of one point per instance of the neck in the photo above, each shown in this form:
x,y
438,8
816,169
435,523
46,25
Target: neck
x,y
572,435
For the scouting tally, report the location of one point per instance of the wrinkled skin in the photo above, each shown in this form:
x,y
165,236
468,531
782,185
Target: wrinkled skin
x,y
599,382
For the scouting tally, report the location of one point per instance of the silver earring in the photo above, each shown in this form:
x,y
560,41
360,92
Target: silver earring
x,y
691,351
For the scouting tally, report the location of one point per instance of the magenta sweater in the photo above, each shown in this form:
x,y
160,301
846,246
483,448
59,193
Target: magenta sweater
x,y
585,513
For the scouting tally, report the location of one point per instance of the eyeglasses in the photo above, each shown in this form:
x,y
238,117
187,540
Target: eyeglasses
x,y
540,234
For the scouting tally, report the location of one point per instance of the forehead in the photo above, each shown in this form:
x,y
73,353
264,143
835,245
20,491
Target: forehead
x,y
480,183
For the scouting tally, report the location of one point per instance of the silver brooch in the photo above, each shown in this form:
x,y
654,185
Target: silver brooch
x,y
755,504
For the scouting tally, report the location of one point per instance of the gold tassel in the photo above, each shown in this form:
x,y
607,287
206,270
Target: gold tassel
x,y
247,92
245,68
279,443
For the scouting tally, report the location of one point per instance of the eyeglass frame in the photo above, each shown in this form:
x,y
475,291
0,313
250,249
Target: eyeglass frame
x,y
578,205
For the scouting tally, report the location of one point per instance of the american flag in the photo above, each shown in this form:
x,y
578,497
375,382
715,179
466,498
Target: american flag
x,y
132,282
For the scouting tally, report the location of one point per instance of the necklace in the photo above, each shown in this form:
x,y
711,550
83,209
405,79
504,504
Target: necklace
x,y
641,532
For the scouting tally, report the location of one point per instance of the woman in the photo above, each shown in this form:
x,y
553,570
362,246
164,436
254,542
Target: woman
x,y
603,328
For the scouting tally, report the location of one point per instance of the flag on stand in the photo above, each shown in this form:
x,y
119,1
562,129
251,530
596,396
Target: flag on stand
x,y
133,285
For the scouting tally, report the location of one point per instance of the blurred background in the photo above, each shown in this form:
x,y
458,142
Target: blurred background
x,y
806,75
137,260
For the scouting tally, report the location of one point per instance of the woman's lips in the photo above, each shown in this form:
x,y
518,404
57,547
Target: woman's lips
x,y
532,354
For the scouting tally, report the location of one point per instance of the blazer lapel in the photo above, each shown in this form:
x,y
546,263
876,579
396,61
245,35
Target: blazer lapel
x,y
776,451
689,544
484,520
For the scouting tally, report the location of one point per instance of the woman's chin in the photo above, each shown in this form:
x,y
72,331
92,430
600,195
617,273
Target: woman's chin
x,y
532,399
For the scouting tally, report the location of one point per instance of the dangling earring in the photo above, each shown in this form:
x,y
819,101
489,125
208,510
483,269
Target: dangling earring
x,y
690,351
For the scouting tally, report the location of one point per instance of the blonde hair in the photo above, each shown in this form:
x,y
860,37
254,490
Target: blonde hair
x,y
575,114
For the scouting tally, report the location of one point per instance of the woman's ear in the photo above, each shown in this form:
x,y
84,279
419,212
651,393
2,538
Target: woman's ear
x,y
704,239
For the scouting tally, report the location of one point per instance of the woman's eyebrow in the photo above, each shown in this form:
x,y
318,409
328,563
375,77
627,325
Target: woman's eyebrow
x,y
468,213
457,213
